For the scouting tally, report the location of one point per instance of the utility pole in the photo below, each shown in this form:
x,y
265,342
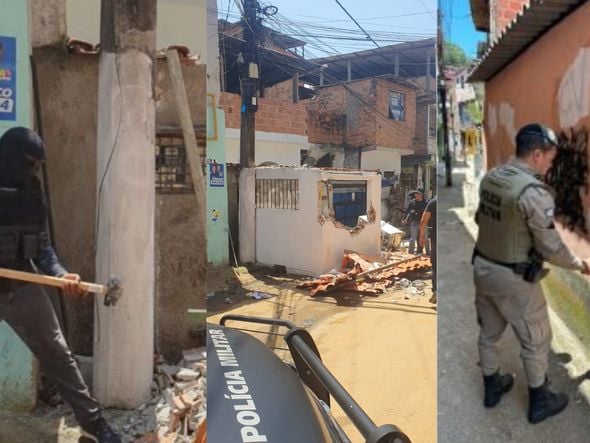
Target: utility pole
x,y
249,81
249,74
443,100
124,335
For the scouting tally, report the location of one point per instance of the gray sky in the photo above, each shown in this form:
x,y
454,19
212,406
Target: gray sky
x,y
387,21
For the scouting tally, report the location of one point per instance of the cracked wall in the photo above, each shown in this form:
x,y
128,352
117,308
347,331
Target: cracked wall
x,y
307,241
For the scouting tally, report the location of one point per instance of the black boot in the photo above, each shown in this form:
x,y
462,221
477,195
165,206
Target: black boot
x,y
495,386
99,431
544,403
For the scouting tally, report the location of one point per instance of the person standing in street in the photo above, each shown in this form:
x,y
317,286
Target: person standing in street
x,y
428,233
24,246
413,217
516,234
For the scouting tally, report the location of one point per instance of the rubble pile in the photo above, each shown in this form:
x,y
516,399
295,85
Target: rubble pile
x,y
182,407
363,277
177,411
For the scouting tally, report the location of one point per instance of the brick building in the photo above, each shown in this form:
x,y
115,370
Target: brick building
x,y
281,130
380,85
363,124
494,16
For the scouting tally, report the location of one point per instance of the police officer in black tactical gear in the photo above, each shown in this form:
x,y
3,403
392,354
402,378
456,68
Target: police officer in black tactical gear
x,y
24,245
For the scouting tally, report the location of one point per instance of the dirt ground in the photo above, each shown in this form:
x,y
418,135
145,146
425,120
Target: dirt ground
x,y
383,350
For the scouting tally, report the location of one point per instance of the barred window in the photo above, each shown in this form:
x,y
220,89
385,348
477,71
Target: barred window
x,y
397,106
172,168
277,193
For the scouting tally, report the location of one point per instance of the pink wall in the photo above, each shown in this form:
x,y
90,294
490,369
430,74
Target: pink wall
x,y
533,86
549,84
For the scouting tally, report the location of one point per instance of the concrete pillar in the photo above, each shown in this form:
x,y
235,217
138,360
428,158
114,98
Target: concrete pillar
x,y
214,73
48,22
296,87
124,334
428,72
349,69
427,150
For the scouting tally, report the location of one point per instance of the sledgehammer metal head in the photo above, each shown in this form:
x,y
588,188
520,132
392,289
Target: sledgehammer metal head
x,y
114,291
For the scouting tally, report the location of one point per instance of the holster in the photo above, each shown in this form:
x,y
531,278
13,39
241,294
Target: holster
x,y
533,270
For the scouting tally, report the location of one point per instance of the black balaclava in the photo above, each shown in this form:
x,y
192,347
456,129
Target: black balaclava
x,y
16,144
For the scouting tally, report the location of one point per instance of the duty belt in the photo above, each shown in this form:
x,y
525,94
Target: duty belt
x,y
518,268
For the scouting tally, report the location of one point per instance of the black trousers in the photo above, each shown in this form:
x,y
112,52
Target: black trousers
x,y
29,312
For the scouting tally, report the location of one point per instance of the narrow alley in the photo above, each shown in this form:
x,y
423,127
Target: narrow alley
x,y
460,386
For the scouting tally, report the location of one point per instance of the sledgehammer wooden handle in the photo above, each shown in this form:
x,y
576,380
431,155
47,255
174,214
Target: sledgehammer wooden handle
x,y
50,281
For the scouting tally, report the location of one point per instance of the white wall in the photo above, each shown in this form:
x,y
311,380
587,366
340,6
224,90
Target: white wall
x,y
296,239
384,159
180,22
282,149
83,20
336,240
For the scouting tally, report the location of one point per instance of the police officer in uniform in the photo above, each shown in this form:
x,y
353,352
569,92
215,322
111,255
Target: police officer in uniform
x,y
516,234
24,246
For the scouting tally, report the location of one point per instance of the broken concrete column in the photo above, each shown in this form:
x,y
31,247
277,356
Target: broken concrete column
x,y
48,22
124,334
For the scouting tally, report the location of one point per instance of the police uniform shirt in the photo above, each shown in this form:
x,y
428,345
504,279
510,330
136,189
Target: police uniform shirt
x,y
538,206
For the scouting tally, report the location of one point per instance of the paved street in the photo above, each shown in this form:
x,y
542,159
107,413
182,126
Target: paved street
x,y
461,415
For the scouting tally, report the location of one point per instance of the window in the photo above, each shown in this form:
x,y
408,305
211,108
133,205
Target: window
x,y
277,193
172,169
397,106
349,201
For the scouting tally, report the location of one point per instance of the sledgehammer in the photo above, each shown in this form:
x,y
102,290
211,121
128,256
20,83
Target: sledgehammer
x,y
112,291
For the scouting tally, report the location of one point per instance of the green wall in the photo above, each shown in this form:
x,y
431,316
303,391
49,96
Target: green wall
x,y
217,220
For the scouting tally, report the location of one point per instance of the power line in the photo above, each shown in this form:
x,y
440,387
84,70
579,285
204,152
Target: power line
x,y
328,20
357,23
426,9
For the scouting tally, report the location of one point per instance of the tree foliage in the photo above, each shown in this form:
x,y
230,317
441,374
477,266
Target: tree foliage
x,y
453,55
475,111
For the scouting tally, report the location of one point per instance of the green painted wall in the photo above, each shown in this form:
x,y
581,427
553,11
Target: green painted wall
x,y
18,378
568,293
217,221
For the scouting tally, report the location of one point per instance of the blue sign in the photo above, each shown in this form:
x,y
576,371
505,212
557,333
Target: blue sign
x,y
8,78
216,176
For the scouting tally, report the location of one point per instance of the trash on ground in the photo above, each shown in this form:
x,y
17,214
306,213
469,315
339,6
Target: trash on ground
x,y
256,295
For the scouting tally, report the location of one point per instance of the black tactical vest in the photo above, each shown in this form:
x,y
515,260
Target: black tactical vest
x,y
22,219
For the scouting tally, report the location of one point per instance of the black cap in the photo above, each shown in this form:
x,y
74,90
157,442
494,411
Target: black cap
x,y
543,133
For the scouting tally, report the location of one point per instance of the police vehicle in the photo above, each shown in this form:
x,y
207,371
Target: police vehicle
x,y
254,396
